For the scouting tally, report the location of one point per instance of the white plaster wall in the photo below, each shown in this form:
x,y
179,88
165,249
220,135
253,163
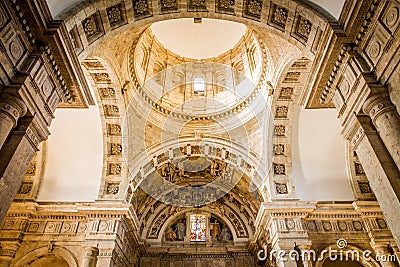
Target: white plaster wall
x,y
319,165
332,6
57,6
75,156
198,40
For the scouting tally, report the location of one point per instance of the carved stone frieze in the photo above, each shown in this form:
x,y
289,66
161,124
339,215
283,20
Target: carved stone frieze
x,y
197,5
111,110
292,77
302,28
321,226
225,6
278,16
281,112
112,188
114,129
286,93
101,77
364,187
25,188
279,149
253,9
156,226
169,6
116,15
359,168
238,225
280,130
31,169
115,149
391,16
108,92
93,27
281,188
142,9
279,168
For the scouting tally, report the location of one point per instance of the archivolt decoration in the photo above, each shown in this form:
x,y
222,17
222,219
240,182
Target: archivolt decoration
x,y
191,174
236,210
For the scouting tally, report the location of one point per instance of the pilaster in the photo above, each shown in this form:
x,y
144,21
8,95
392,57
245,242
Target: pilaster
x,y
7,252
385,118
16,155
381,171
11,109
90,257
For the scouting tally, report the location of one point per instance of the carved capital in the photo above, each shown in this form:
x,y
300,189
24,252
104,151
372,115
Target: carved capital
x,y
12,106
377,105
364,126
91,252
380,249
90,256
8,250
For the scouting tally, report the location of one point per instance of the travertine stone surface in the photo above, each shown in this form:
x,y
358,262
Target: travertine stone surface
x,y
387,122
382,251
7,252
16,154
11,108
381,171
307,59
90,257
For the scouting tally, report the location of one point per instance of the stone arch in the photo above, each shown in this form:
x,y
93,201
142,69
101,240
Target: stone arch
x,y
58,251
158,216
107,88
301,13
356,175
288,94
147,162
300,23
179,214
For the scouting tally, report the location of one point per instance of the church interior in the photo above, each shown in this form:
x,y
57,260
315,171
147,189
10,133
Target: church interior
x,y
199,133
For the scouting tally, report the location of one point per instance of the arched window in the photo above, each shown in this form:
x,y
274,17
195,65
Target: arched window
x,y
199,86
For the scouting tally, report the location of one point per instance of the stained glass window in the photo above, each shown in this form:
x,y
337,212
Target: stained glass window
x,y
198,226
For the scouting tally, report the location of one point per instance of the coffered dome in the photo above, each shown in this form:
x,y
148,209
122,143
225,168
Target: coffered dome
x,y
196,89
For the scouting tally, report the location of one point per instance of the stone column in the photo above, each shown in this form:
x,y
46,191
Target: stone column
x,y
382,173
382,255
11,108
306,255
90,257
285,253
386,120
7,253
106,257
16,154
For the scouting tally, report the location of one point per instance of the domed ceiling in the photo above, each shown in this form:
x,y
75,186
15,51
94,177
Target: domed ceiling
x,y
218,40
207,39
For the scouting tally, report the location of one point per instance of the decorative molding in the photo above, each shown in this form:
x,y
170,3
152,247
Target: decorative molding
x,y
117,15
142,9
253,9
278,16
281,188
225,6
93,27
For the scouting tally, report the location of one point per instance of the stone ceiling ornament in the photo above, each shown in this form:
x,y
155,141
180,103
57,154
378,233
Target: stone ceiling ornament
x,y
195,173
